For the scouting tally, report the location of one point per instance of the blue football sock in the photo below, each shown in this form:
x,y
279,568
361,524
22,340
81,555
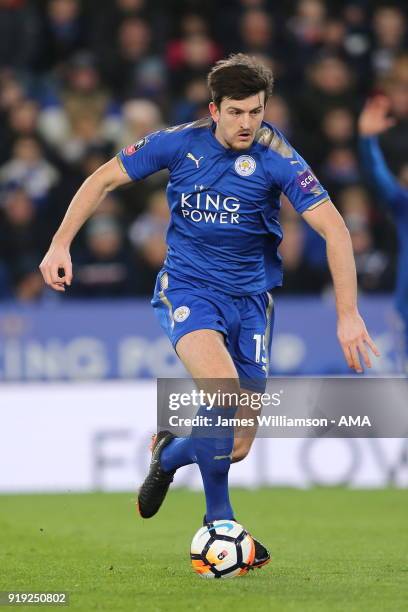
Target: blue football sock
x,y
179,452
213,448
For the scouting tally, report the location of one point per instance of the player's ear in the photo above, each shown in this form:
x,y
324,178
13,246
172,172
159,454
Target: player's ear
x,y
214,112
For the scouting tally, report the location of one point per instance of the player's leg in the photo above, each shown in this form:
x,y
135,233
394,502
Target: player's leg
x,y
182,309
250,350
244,436
204,353
180,451
201,351
205,356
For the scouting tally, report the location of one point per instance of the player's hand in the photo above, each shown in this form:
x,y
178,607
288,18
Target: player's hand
x,y
56,267
355,341
374,118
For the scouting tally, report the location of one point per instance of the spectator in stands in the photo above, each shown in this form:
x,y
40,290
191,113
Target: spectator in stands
x,y
299,275
260,36
395,141
127,7
12,94
5,288
69,182
82,90
133,69
336,131
278,113
390,32
357,42
356,202
23,239
189,58
338,127
28,169
64,32
257,32
307,27
193,104
190,24
403,175
107,22
103,265
373,267
23,118
83,105
330,84
340,168
147,236
333,36
139,118
71,95
11,90
111,206
23,122
19,35
86,133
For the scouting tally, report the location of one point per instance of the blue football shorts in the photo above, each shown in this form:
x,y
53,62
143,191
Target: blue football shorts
x,y
246,322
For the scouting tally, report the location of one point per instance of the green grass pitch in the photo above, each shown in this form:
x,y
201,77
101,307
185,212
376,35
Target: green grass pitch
x,y
332,549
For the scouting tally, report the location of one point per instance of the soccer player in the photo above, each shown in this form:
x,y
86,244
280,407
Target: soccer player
x,y
373,121
212,296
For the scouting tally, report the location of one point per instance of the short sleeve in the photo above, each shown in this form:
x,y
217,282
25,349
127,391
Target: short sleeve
x,y
149,154
296,180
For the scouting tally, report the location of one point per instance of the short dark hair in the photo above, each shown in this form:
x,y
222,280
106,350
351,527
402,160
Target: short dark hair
x,y
238,77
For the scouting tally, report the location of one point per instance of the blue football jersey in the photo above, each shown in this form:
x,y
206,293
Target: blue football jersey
x,y
224,204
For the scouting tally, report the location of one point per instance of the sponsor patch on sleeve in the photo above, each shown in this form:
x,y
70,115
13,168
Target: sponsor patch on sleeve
x,y
131,149
307,181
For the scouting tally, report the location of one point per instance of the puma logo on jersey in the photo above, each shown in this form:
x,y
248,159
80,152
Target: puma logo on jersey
x,y
195,160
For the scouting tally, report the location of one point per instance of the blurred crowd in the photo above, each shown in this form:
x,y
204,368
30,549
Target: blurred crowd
x,y
81,79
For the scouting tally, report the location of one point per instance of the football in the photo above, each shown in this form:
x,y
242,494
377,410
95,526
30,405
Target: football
x,y
222,549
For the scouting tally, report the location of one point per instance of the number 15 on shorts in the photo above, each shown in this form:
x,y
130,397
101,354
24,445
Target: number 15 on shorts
x,y
260,349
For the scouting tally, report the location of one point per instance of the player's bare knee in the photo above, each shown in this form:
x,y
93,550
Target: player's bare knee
x,y
240,450
239,455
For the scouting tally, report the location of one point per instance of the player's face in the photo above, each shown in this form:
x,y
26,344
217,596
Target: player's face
x,y
238,120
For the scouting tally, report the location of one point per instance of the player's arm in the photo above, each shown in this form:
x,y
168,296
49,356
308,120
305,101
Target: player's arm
x,y
351,330
84,203
373,121
150,154
309,198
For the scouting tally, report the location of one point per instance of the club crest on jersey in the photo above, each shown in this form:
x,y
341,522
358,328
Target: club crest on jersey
x,y
181,313
245,165
135,147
